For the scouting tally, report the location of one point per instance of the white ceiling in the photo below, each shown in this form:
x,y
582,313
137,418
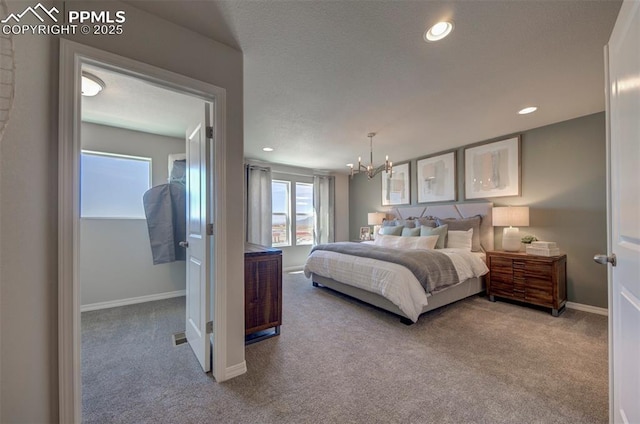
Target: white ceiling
x,y
135,104
320,75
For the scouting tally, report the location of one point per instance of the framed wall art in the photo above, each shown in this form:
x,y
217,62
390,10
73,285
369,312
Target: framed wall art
x,y
396,189
492,169
437,178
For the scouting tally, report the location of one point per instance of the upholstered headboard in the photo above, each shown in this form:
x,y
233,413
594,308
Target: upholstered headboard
x,y
457,210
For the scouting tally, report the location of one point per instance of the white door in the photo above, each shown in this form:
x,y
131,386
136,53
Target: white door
x,y
199,245
624,214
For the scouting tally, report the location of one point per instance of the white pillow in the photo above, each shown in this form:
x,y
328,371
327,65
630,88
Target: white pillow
x,y
386,240
460,239
399,242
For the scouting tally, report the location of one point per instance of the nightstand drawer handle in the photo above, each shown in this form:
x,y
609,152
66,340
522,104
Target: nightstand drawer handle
x,y
604,259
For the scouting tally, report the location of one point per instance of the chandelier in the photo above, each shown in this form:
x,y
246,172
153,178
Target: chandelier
x,y
371,170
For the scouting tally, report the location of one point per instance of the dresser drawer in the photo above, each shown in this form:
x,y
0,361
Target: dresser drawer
x,y
539,284
502,290
540,297
501,278
503,265
538,269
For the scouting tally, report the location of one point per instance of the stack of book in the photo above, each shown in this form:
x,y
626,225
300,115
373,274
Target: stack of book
x,y
543,248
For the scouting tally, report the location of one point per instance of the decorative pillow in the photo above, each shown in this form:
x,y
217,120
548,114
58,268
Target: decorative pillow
x,y
464,225
389,223
392,231
386,241
410,232
460,239
428,242
440,231
428,221
399,242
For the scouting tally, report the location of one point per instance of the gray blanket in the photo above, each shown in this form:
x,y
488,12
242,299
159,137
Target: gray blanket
x,y
433,269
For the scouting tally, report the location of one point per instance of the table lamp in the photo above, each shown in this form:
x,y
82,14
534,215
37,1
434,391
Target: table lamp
x,y
375,219
511,217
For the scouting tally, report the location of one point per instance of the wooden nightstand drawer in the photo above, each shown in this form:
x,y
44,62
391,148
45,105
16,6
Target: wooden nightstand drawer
x,y
501,278
539,284
540,297
503,265
502,290
539,270
527,278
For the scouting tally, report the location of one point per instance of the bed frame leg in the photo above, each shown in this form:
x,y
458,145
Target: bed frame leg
x,y
315,284
406,321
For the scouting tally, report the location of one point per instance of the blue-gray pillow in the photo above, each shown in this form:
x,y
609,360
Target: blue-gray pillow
x,y
392,231
410,232
440,231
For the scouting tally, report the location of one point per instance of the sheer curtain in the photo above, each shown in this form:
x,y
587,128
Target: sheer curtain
x,y
258,181
323,205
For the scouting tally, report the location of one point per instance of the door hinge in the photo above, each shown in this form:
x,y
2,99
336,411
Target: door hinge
x,y
209,132
210,327
209,229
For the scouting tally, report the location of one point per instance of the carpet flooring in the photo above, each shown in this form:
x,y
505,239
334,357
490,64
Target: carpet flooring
x,y
341,361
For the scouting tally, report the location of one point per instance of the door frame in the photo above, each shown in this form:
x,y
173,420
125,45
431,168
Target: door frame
x,y
72,56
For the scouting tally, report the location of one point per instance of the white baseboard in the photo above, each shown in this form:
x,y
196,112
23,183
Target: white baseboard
x,y
588,308
236,370
293,268
131,300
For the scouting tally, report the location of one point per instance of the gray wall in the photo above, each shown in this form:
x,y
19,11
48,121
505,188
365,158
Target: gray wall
x,y
28,194
115,255
563,183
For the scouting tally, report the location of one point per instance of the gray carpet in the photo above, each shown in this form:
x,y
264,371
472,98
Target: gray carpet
x,y
341,361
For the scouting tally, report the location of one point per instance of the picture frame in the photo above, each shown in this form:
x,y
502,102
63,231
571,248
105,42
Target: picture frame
x,y
492,169
396,190
436,178
365,233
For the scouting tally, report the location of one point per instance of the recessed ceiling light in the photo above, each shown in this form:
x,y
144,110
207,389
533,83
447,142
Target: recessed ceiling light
x,y
267,149
529,109
438,31
91,84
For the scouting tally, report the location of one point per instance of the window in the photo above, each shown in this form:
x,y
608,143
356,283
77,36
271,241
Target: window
x,y
287,203
304,213
280,224
111,185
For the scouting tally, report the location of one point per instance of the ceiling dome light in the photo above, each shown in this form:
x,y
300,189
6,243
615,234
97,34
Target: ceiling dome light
x,y
267,149
438,31
529,109
91,84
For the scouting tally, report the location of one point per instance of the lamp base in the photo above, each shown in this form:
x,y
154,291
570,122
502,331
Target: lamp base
x,y
511,239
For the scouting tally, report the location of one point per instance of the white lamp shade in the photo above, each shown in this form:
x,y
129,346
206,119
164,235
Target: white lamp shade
x,y
511,216
375,218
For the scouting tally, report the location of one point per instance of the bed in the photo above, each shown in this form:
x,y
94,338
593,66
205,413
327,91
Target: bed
x,y
392,286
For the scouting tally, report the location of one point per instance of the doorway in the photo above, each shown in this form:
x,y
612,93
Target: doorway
x,y
209,147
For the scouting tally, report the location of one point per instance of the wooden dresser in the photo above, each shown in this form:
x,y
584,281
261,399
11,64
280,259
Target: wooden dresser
x,y
262,292
537,280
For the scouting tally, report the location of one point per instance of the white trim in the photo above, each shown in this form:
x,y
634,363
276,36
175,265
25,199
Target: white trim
x,y
236,370
72,56
588,308
293,268
131,301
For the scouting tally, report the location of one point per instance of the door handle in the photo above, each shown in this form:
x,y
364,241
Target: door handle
x,y
184,244
604,259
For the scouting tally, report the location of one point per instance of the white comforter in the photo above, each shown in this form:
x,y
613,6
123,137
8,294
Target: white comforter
x,y
393,281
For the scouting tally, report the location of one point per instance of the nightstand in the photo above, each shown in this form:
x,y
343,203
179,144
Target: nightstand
x,y
538,280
